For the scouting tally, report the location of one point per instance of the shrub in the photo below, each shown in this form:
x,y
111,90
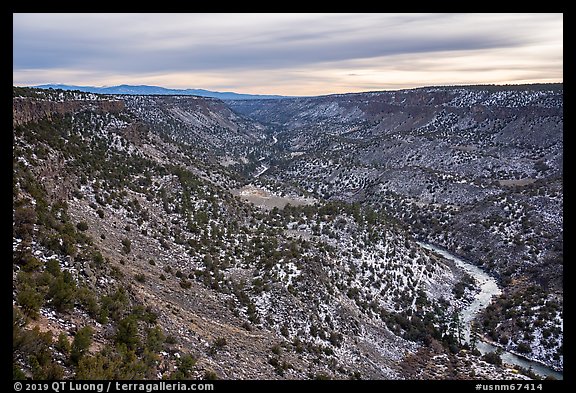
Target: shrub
x,y
68,245
98,258
276,349
53,267
17,373
279,366
127,332
63,345
492,358
48,370
62,292
82,226
24,219
186,363
145,314
126,246
184,367
114,306
82,341
217,344
170,339
356,375
524,348
336,338
30,300
298,345
210,375
458,290
220,342
28,261
96,367
87,299
164,244
154,339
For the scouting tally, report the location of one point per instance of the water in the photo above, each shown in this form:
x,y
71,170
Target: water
x,y
510,358
488,289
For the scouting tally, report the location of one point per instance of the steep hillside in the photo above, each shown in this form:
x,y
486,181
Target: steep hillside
x,y
133,258
477,170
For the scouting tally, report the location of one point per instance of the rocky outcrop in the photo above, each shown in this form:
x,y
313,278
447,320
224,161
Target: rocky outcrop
x,y
26,109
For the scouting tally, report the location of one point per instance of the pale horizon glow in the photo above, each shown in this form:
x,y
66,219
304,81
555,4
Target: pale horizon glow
x,y
287,54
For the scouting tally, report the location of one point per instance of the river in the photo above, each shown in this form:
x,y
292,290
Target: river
x,y
488,289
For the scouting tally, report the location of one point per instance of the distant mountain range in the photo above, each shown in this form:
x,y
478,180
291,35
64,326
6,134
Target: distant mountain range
x,y
157,90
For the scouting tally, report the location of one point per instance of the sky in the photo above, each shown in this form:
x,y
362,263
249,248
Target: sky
x,y
287,54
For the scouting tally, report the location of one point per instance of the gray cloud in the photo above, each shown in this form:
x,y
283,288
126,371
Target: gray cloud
x,y
164,43
125,43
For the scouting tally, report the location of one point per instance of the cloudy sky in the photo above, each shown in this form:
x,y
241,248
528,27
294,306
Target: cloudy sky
x,y
290,54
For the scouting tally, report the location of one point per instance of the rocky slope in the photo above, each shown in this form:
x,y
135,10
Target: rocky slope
x,y
477,170
134,258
